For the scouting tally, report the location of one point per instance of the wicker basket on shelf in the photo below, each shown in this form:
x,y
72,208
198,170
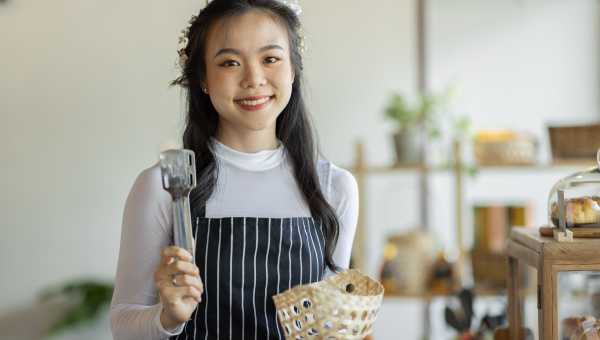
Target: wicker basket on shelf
x,y
415,260
489,267
571,142
343,306
519,150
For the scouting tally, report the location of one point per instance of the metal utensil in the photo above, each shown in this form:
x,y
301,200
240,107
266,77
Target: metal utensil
x,y
561,210
178,169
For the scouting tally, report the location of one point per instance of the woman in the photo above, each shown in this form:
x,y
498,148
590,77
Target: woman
x,y
267,215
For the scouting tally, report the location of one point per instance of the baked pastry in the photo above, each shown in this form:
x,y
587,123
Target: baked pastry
x,y
579,212
587,331
571,326
568,326
588,318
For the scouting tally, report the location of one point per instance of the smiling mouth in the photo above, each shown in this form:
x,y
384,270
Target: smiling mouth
x,y
254,102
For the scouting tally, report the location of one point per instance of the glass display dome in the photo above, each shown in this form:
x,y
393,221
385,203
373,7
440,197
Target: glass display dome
x,y
581,199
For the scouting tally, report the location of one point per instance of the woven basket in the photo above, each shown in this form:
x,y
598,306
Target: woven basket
x,y
518,151
489,267
343,306
574,141
415,260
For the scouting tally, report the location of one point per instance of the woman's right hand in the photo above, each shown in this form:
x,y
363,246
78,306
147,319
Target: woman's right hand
x,y
179,301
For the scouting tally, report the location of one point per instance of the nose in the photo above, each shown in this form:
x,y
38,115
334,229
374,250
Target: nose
x,y
253,76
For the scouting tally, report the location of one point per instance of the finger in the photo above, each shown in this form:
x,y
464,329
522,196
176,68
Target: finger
x,y
169,253
180,267
175,268
188,280
172,252
178,293
164,275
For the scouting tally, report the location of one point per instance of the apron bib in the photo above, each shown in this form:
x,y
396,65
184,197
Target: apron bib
x,y
243,262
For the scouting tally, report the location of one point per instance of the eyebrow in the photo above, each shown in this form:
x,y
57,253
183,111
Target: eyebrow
x,y
271,47
237,52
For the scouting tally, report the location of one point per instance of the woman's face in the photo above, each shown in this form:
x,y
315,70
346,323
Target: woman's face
x,y
249,73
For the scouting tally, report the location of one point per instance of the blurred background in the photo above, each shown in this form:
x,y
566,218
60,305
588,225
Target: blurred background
x,y
450,114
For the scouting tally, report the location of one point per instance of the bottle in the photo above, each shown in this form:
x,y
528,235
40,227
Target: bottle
x,y
389,272
442,276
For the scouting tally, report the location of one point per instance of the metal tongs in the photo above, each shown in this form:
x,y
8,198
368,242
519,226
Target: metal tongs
x,y
178,169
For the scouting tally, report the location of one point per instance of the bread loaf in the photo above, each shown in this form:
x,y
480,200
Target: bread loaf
x,y
579,212
589,330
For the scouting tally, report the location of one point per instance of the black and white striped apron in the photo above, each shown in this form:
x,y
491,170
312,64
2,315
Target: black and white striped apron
x,y
243,262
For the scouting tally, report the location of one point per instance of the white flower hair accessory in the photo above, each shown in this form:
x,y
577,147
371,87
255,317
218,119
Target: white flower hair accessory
x,y
293,6
184,39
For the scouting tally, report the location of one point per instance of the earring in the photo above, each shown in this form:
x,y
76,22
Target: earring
x,y
205,90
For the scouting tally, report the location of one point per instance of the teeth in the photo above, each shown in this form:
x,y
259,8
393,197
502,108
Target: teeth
x,y
253,102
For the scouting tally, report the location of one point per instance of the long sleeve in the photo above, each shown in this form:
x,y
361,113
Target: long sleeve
x,y
146,230
341,191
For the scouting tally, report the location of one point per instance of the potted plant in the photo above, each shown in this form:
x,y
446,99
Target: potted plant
x,y
409,139
433,118
87,300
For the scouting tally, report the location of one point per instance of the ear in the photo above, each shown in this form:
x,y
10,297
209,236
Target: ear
x,y
293,75
204,87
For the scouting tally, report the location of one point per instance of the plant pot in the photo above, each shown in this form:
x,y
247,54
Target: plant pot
x,y
409,146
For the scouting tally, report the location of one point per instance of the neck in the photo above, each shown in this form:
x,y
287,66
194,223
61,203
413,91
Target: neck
x,y
249,141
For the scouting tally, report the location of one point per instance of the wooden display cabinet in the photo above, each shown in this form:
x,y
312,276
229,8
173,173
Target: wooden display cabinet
x,y
568,282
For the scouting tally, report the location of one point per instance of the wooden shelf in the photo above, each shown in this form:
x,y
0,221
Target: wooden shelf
x,y
395,168
424,169
575,162
361,170
427,295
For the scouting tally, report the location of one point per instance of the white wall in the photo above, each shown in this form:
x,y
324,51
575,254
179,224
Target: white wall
x,y
358,54
84,105
84,108
522,64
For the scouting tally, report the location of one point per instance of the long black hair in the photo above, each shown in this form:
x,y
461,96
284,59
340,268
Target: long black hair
x,y
293,125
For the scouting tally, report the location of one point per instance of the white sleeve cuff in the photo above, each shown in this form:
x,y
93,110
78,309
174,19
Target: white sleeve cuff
x,y
159,308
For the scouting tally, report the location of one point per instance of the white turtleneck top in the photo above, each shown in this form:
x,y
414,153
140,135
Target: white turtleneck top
x,y
260,184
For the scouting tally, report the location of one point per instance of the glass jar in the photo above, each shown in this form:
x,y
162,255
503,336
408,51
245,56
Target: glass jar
x,y
582,199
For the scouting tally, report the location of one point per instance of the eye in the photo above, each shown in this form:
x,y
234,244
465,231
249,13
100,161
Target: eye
x,y
270,60
230,63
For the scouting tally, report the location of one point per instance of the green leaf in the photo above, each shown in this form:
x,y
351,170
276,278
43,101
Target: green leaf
x,y
399,111
90,296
